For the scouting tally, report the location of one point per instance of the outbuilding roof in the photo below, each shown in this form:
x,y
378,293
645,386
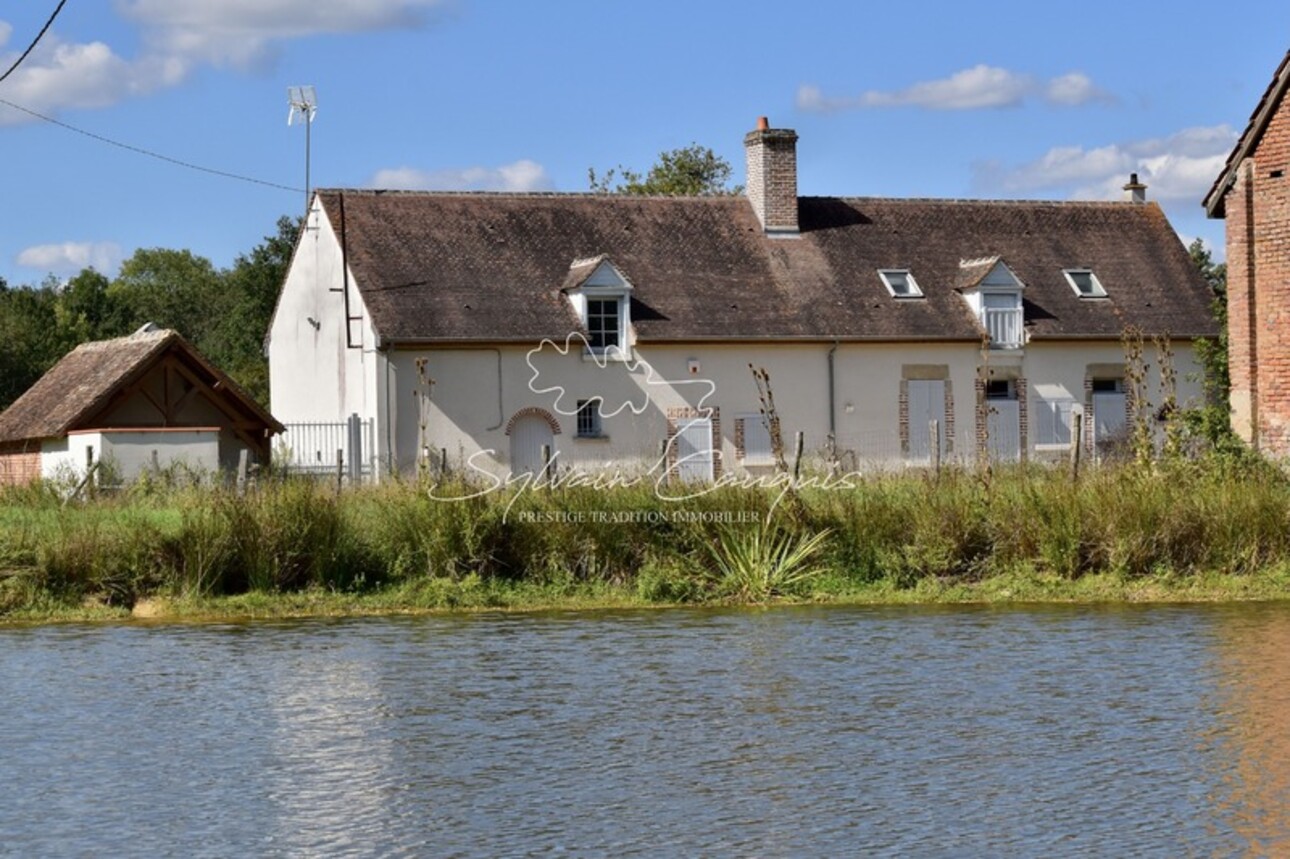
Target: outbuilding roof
x,y
82,385
454,267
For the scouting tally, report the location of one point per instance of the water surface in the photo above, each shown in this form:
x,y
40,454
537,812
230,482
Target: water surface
x,y
1158,731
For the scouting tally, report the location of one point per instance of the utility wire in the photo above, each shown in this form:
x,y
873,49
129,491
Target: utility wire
x,y
148,152
109,141
34,41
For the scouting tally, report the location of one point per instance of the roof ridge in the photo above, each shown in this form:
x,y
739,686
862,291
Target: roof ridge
x,y
711,198
413,192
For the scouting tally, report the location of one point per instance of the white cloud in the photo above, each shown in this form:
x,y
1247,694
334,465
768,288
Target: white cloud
x,y
178,36
67,75
68,258
979,87
242,32
522,175
1074,89
1180,167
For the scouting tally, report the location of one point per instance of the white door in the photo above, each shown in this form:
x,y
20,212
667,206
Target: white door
x,y
1108,419
529,435
1003,423
926,404
694,450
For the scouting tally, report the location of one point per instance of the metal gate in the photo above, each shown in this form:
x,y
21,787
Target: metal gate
x,y
313,447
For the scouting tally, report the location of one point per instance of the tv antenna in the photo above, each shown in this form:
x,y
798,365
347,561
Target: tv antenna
x,y
304,104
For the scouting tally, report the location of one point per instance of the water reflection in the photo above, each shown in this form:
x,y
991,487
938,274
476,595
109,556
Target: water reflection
x,y
969,731
1251,743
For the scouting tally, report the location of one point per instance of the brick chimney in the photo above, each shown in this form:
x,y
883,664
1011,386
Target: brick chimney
x,y
1135,191
772,177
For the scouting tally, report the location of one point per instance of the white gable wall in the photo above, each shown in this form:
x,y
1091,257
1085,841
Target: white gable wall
x,y
314,375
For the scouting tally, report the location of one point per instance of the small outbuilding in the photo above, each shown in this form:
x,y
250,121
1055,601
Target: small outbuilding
x,y
134,403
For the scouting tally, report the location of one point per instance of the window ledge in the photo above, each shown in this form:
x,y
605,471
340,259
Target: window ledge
x,y
617,355
1052,447
600,437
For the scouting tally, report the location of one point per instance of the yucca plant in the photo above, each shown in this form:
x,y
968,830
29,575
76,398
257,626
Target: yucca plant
x,y
760,563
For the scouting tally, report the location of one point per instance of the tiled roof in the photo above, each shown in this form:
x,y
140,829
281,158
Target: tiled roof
x,y
79,386
1215,201
490,267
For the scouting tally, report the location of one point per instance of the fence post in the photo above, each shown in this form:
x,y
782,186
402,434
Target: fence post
x,y
1077,430
340,468
546,463
798,444
934,434
243,457
354,448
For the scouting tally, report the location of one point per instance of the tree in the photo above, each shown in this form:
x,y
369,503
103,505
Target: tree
x,y
86,311
237,341
224,313
30,338
692,171
173,289
1212,422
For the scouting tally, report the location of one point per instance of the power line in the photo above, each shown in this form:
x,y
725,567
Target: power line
x,y
34,41
148,152
136,149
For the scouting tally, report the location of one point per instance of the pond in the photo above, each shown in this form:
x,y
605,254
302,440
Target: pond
x,y
1161,730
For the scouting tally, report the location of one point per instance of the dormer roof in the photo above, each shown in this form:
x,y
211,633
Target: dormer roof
x,y
988,271
595,271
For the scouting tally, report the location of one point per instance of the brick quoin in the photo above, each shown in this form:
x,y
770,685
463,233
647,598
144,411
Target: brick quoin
x,y
1256,205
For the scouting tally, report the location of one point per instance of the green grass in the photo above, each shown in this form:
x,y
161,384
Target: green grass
x,y
1190,531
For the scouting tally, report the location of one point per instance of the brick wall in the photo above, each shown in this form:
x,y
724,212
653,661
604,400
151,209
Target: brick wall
x,y
19,467
772,177
1258,257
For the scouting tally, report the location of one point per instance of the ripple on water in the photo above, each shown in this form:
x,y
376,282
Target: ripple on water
x,y
1068,731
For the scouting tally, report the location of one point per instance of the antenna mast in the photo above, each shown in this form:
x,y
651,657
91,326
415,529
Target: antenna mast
x,y
304,104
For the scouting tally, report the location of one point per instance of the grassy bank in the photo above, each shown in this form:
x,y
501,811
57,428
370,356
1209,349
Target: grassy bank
x,y
1184,532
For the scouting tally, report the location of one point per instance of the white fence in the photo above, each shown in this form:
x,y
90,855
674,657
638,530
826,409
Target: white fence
x,y
329,448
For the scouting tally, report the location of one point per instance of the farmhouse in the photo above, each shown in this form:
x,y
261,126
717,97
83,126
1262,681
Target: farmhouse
x,y
617,332
134,403
1253,195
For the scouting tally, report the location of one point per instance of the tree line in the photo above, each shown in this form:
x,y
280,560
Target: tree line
x,y
225,313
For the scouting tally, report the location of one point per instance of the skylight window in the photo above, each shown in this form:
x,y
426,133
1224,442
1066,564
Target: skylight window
x,y
900,283
1084,282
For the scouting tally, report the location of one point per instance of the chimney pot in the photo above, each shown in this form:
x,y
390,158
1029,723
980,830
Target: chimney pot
x,y
763,123
1135,191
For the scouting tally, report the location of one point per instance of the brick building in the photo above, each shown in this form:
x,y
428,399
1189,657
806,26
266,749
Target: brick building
x,y
1253,195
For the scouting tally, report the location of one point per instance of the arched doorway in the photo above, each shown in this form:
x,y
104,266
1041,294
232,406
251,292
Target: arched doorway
x,y
531,430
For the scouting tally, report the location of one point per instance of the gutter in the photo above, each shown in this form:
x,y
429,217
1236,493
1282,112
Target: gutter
x,y
833,410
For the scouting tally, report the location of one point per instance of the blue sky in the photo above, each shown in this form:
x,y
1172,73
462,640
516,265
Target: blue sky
x,y
981,99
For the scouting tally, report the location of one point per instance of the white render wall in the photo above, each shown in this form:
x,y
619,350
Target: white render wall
x,y
314,375
476,392
129,453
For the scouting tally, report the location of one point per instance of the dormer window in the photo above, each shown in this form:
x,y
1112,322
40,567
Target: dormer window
x,y
1084,282
603,324
900,283
993,291
601,296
